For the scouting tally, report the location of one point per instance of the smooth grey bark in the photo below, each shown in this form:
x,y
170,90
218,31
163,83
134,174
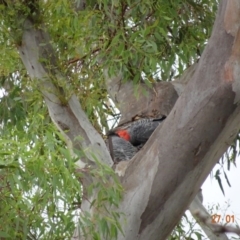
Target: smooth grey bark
x,y
161,181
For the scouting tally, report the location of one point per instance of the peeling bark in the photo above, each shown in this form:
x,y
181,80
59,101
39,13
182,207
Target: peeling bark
x,y
231,17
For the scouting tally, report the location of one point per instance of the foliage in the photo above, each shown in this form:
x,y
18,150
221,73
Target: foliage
x,y
109,194
35,174
40,189
150,39
186,229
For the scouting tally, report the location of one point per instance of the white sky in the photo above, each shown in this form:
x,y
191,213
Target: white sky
x,y
228,204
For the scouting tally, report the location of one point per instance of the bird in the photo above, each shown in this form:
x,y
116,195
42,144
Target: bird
x,y
138,132
125,141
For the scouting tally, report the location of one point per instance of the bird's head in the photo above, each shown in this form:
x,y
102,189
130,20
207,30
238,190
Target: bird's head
x,y
122,133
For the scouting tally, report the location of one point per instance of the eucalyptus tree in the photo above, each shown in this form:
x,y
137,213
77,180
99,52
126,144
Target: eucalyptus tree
x,y
65,69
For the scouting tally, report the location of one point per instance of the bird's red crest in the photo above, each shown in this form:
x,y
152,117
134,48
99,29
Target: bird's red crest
x,y
123,134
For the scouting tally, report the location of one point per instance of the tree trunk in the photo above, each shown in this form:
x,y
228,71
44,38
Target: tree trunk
x,y
163,178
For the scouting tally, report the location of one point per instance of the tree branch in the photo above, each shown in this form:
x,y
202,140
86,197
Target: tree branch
x,y
67,114
197,206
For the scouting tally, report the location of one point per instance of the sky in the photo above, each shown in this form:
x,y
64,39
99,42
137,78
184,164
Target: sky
x,y
228,204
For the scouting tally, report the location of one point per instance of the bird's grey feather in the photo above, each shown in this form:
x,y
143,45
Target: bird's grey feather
x,y
122,149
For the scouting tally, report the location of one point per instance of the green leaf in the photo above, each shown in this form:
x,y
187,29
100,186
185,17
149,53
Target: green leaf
x,y
226,177
217,176
4,235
